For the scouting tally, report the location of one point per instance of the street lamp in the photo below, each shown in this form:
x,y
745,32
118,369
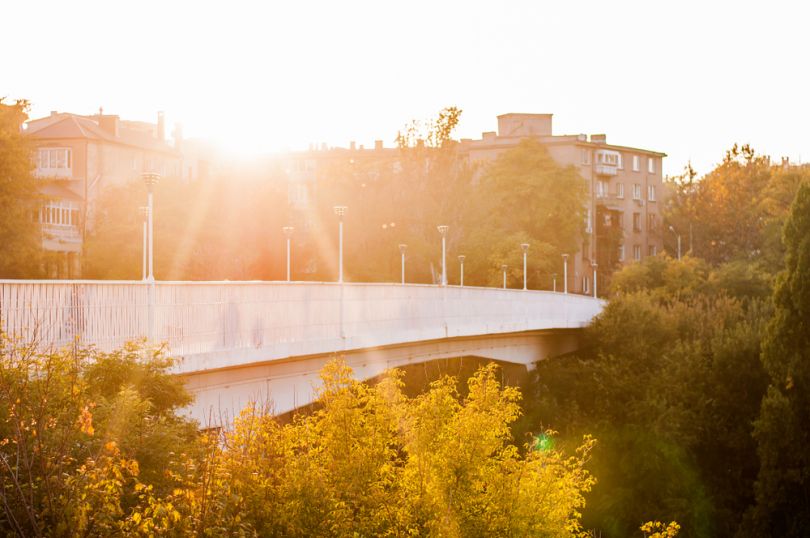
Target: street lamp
x,y
525,247
340,211
402,248
671,229
504,267
565,273
144,211
151,179
594,279
288,231
461,259
443,230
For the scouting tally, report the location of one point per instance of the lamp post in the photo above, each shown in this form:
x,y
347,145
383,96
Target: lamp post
x,y
671,229
288,231
554,281
402,248
565,273
443,230
504,267
525,247
144,211
594,279
151,179
461,259
340,211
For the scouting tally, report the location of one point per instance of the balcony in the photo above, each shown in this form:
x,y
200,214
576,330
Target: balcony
x,y
606,162
59,237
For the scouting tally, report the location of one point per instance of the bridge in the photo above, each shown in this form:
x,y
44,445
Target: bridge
x,y
266,341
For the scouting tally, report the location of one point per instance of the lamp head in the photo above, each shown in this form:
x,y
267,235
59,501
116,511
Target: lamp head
x,y
340,210
402,248
504,267
461,258
442,229
525,247
144,211
288,230
151,179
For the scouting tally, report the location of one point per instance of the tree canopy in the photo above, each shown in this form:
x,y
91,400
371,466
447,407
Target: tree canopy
x,y
19,223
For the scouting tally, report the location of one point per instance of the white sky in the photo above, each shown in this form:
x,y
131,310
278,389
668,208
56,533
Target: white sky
x,y
683,77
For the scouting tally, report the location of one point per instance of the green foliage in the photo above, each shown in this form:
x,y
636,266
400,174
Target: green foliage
x,y
736,211
79,429
670,384
19,225
783,426
523,197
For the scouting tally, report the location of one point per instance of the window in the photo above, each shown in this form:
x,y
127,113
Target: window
x,y
652,250
59,213
637,252
636,191
588,227
620,164
601,189
621,253
636,222
651,193
619,190
54,161
636,163
652,222
585,155
585,285
650,165
619,219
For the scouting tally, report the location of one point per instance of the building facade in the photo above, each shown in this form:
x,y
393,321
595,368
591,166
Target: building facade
x,y
76,157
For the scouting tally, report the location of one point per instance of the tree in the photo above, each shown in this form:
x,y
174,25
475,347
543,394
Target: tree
x,y
19,224
670,382
524,197
783,427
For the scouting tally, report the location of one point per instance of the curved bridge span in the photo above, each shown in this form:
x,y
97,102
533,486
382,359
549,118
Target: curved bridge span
x,y
238,341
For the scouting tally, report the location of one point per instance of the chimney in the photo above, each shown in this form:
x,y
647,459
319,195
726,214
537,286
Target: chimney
x,y
161,127
109,124
54,113
599,138
785,162
378,145
352,145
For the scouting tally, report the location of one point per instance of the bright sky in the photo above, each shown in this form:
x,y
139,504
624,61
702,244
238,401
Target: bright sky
x,y
688,78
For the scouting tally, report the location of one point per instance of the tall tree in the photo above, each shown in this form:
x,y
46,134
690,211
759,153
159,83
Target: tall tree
x,y
19,228
783,428
524,196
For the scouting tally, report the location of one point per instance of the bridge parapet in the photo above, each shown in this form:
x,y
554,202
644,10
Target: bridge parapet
x,y
214,325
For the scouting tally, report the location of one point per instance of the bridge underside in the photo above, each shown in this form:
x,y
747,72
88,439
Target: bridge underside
x,y
288,384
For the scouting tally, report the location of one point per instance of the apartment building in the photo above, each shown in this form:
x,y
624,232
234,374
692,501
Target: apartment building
x,y
625,186
76,158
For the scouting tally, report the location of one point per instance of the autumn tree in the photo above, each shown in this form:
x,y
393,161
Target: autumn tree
x,y
19,223
783,426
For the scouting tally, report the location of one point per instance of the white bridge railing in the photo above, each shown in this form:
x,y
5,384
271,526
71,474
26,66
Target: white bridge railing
x,y
219,324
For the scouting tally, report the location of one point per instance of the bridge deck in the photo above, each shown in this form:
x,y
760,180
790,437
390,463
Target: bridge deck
x,y
213,325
